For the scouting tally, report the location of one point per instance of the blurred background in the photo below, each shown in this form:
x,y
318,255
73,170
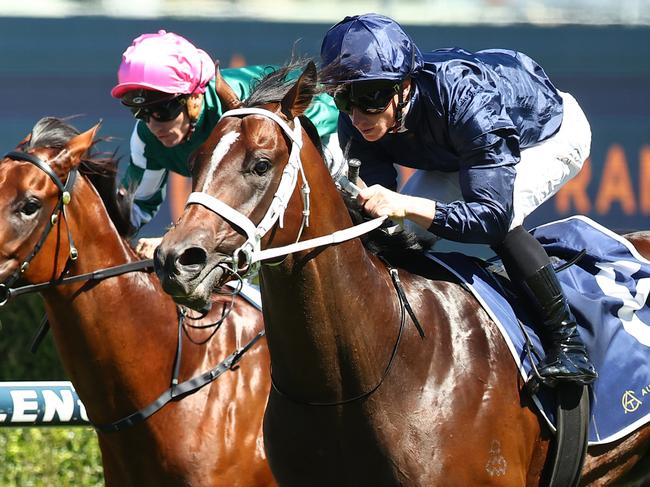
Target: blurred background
x,y
60,57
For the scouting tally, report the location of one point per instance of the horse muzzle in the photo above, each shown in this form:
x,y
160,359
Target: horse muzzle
x,y
188,274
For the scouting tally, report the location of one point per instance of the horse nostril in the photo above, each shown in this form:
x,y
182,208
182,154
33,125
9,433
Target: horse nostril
x,y
192,257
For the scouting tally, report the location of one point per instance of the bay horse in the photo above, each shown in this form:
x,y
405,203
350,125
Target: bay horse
x,y
359,397
117,337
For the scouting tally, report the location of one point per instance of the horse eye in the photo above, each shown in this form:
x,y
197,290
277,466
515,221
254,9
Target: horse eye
x,y
261,167
30,207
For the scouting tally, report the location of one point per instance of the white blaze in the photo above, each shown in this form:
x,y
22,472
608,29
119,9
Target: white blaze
x,y
220,151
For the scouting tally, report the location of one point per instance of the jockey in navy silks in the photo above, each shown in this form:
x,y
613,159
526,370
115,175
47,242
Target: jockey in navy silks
x,y
491,138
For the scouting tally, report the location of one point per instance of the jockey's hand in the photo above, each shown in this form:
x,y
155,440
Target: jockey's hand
x,y
378,201
146,246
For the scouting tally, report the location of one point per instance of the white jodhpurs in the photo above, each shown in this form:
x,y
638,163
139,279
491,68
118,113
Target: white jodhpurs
x,y
333,156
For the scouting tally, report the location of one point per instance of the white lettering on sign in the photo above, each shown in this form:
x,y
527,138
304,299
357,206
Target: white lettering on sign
x,y
62,406
24,403
606,279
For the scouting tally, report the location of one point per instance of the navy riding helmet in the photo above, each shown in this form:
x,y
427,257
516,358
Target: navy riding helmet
x,y
368,47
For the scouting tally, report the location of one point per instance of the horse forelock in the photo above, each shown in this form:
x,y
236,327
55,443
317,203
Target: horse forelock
x,y
100,168
273,87
270,90
55,133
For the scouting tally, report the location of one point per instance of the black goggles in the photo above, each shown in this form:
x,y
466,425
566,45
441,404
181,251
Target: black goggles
x,y
162,112
371,97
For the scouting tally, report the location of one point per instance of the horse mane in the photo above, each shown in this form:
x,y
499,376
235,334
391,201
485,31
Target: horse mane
x,y
276,83
99,167
330,75
400,246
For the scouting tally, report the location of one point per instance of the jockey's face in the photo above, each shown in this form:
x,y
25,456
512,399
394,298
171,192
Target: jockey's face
x,y
172,132
168,119
373,126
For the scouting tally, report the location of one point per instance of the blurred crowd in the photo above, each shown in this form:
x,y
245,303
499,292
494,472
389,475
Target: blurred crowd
x,y
451,12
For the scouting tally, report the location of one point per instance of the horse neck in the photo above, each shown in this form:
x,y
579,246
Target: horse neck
x,y
324,309
94,233
100,328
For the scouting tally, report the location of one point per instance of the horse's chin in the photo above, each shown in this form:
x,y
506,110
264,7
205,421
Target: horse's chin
x,y
199,304
197,294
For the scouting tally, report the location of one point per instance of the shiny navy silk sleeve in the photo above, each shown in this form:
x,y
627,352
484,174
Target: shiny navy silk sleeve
x,y
376,166
470,113
486,212
487,144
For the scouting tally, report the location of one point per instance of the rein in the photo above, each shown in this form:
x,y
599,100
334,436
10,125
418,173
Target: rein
x,y
253,254
176,391
251,249
97,275
405,308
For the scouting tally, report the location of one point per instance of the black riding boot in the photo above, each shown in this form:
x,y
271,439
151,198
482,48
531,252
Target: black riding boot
x,y
530,270
566,356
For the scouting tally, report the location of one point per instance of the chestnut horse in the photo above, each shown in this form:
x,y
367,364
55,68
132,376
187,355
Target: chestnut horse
x,y
117,337
359,398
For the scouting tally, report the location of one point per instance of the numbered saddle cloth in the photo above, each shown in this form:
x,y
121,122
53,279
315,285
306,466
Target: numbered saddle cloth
x,y
607,290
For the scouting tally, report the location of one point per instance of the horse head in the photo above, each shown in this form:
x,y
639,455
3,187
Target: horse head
x,y
251,173
38,183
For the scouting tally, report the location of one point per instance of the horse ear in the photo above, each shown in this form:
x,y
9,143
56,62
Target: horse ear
x,y
226,94
79,145
25,141
74,150
296,101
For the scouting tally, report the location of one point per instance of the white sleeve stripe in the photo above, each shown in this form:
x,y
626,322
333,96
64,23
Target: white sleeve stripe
x,y
152,179
150,183
137,149
139,217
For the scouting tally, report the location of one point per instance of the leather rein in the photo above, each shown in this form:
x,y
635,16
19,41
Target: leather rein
x,y
250,254
177,390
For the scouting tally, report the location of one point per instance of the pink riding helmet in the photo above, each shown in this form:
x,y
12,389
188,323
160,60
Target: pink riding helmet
x,y
164,62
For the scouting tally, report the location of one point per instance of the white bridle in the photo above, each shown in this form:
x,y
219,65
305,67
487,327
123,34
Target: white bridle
x,y
251,249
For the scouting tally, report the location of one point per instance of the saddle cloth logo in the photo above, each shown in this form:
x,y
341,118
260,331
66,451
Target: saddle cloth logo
x,y
627,313
607,290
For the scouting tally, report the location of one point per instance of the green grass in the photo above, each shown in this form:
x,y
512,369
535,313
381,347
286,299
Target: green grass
x,y
50,457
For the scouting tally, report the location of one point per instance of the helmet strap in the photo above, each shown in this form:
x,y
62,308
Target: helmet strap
x,y
399,110
191,130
